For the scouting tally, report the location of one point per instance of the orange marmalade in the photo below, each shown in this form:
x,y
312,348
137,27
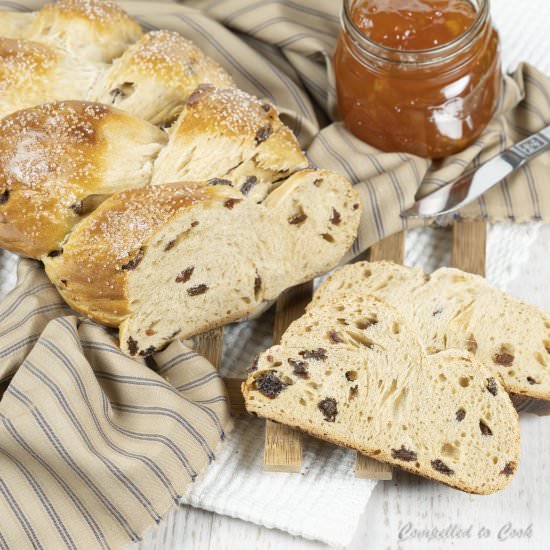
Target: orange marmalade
x,y
417,76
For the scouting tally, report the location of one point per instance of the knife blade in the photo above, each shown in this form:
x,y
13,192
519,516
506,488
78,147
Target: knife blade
x,y
470,186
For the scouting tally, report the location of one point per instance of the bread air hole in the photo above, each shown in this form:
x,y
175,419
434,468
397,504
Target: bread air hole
x,y
540,359
360,339
363,324
464,381
451,451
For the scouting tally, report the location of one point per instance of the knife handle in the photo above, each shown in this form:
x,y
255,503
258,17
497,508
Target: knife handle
x,y
530,147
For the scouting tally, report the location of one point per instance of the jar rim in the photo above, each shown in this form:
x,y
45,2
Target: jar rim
x,y
427,56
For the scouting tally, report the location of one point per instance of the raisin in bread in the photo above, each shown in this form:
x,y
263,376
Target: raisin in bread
x,y
58,161
227,133
454,309
353,372
180,259
33,73
155,76
96,30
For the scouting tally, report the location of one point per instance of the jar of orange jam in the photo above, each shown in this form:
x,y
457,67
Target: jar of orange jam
x,y
417,76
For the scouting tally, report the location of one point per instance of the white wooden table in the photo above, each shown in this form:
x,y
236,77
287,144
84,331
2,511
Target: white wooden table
x,y
412,506
405,501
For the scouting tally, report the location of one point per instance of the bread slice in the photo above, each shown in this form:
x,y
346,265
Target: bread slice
x,y
227,133
181,259
454,309
58,161
353,372
155,76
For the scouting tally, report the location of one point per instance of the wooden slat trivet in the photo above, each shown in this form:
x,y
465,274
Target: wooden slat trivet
x,y
283,449
283,445
236,399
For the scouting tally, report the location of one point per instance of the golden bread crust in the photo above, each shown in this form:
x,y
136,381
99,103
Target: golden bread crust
x,y
98,29
227,111
154,77
92,272
26,71
52,158
168,57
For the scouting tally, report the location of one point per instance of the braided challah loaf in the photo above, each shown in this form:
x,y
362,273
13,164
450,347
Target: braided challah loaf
x,y
144,257
88,188
179,259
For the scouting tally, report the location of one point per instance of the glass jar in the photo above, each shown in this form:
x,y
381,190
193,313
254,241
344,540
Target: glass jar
x,y
432,102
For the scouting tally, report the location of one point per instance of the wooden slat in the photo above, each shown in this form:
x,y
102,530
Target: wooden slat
x,y
283,448
391,248
236,399
469,246
290,305
283,445
210,345
368,468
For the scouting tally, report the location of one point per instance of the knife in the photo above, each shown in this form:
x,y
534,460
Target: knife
x,y
468,187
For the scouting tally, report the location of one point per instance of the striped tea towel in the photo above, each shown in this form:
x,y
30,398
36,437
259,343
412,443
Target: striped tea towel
x,y
95,447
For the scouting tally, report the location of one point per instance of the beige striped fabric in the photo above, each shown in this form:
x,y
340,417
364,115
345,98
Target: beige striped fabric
x,y
95,447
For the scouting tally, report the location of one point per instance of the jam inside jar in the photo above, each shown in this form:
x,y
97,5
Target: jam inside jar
x,y
417,76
